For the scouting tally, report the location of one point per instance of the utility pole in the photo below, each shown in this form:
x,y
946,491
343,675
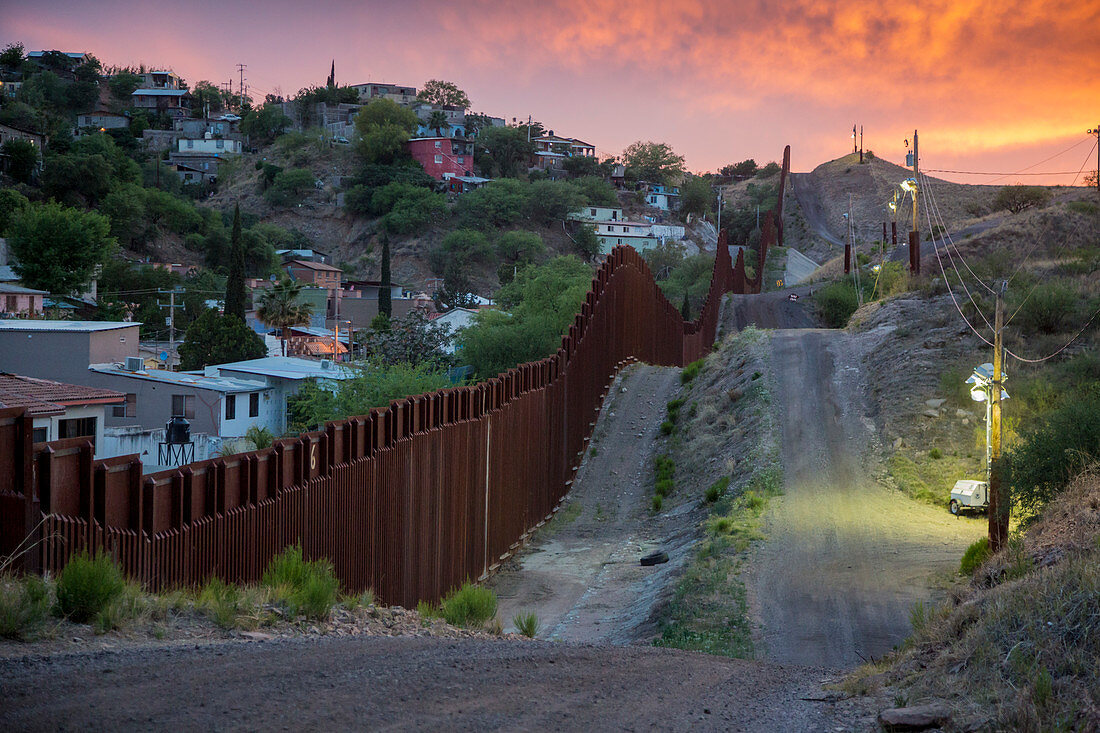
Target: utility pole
x,y
861,143
241,68
719,210
999,505
1096,131
914,235
171,306
848,238
855,143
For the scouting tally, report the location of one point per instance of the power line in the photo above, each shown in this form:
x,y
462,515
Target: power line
x,y
1003,175
1021,171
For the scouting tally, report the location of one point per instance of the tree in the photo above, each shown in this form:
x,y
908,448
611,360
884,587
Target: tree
x,y
497,203
552,201
437,120
123,84
740,171
279,307
236,296
290,186
125,207
11,202
216,339
597,191
436,91
1050,454
412,339
520,247
57,247
685,309
1018,198
696,196
265,124
22,158
207,98
383,128
385,307
654,162
12,56
588,244
506,151
581,165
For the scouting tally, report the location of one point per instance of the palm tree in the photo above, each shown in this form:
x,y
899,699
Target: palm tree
x,y
279,308
437,121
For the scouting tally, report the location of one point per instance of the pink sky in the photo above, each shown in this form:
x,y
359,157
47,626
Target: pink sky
x,y
992,86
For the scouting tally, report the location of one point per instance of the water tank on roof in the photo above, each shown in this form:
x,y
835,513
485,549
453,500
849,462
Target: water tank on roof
x,y
177,431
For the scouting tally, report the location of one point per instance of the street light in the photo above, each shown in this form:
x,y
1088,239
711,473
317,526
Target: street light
x,y
981,382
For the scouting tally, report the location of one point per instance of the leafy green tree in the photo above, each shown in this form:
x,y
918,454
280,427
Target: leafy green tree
x,y
123,85
543,300
383,128
581,165
236,295
740,171
375,385
654,162
171,212
80,96
506,151
520,247
280,307
58,248
663,259
552,201
125,207
207,97
12,56
437,91
587,242
290,187
22,158
216,339
1018,198
415,209
11,201
1059,446
597,191
265,123
696,196
497,203
411,339
689,279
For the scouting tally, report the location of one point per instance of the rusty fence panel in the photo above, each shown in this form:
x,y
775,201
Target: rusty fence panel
x,y
410,500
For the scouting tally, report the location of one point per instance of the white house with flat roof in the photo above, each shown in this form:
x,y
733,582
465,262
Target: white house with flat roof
x,y
598,214
62,350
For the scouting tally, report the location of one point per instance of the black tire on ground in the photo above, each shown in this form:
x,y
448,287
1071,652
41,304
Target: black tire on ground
x,y
655,558
954,507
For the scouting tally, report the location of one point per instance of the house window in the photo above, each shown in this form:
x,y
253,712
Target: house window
x,y
439,159
77,427
439,143
220,144
618,241
40,435
593,212
230,406
461,160
183,405
12,304
190,143
127,410
254,404
626,229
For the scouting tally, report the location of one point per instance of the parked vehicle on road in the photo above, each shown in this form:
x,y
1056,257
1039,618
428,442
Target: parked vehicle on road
x,y
969,495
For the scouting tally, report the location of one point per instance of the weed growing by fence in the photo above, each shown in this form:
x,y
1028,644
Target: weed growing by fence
x,y
527,623
86,585
691,371
305,587
469,605
24,606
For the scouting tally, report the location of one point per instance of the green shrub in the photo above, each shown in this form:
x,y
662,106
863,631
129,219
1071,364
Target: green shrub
x,y
1048,455
427,609
1049,308
224,603
664,487
86,585
753,501
1018,198
307,587
667,427
691,371
974,556
836,302
657,502
527,623
715,491
469,605
290,186
1083,207
935,454
24,605
673,408
124,608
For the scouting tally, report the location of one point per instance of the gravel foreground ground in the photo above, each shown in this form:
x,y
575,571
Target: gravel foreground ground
x,y
377,683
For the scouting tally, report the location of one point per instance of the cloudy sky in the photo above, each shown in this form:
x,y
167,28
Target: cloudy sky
x,y
992,86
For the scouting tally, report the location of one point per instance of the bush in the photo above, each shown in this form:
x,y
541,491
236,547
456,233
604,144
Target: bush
x,y
307,587
836,302
1050,308
657,502
1018,198
498,203
469,605
1047,456
24,605
935,454
86,585
290,187
527,623
715,491
223,603
691,371
974,556
667,427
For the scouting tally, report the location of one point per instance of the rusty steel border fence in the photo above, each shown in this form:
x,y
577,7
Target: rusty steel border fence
x,y
410,500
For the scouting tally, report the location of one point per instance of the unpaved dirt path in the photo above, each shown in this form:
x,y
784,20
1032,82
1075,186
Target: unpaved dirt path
x,y
845,558
580,574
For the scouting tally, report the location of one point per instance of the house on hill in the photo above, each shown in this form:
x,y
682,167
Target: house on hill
x,y
442,157
59,410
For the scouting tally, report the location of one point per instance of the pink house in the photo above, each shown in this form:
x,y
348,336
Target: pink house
x,y
15,300
442,157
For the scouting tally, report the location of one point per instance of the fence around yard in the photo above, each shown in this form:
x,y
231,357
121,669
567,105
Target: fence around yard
x,y
410,500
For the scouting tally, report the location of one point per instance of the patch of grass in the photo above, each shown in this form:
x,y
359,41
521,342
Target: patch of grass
x,y
427,609
305,587
935,454
123,610
469,605
24,606
86,585
527,623
1083,207
691,371
975,556
927,478
226,605
657,502
565,516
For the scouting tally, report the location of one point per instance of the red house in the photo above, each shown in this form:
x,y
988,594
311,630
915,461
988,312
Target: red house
x,y
442,157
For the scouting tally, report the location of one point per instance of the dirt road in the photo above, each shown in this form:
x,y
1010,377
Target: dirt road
x,y
581,573
845,558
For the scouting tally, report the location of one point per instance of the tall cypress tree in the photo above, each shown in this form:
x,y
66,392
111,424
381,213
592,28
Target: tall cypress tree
x,y
235,294
685,309
384,304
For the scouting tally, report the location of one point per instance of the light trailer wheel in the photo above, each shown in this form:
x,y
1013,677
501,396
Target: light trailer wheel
x,y
954,507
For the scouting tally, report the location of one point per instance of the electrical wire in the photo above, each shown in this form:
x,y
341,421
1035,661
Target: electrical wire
x,y
1003,175
1059,351
1019,172
926,181
1087,159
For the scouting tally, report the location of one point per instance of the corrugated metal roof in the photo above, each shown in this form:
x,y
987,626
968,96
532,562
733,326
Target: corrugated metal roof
x,y
64,326
185,379
159,92
7,287
288,367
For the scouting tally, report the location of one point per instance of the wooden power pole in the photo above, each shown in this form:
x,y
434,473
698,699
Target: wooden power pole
x,y
1096,131
999,504
914,235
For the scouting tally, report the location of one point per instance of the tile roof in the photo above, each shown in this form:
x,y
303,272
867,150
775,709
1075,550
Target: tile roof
x,y
314,265
47,397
